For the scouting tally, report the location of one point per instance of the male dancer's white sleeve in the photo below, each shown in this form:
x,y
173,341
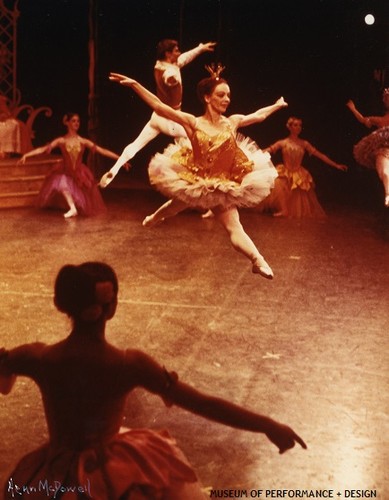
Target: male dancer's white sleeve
x,y
171,75
187,57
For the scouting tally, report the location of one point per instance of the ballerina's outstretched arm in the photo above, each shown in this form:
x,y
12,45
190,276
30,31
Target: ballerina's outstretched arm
x,y
365,120
368,121
327,159
149,374
259,115
41,150
185,119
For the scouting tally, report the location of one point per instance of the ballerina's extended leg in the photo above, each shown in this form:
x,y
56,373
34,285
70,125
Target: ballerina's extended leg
x,y
242,242
168,209
382,165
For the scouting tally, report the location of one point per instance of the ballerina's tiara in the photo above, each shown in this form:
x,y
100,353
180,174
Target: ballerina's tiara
x,y
386,91
215,69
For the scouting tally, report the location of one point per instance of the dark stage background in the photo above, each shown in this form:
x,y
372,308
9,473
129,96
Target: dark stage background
x,y
316,53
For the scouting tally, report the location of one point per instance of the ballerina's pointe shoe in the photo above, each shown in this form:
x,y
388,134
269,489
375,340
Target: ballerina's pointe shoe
x,y
260,266
147,221
150,221
208,215
71,213
106,179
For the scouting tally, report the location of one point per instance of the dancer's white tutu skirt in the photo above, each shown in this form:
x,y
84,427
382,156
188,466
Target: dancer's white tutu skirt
x,y
243,182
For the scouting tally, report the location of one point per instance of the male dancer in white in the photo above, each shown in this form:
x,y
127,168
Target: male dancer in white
x,y
167,74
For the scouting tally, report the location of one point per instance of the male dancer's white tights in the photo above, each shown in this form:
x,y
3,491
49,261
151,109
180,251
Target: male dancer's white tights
x,y
157,125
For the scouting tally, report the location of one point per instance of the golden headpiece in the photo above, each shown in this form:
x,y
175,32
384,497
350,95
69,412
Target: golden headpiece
x,y
215,69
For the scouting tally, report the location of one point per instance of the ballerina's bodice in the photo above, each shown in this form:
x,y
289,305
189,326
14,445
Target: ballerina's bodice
x,y
215,157
72,153
99,408
293,153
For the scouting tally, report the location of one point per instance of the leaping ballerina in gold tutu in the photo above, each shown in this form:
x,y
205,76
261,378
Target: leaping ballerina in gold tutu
x,y
215,169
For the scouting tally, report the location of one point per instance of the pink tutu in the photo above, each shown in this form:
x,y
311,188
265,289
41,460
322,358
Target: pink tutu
x,y
367,149
74,177
138,463
81,186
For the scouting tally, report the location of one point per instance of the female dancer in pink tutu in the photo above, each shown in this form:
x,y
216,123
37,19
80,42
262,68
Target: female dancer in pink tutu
x,y
71,185
294,191
214,169
373,150
84,381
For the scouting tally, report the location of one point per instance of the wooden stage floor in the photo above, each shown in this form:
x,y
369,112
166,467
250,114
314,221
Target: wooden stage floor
x,y
309,348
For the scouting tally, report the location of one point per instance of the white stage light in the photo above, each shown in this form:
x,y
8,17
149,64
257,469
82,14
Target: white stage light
x,y
369,19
